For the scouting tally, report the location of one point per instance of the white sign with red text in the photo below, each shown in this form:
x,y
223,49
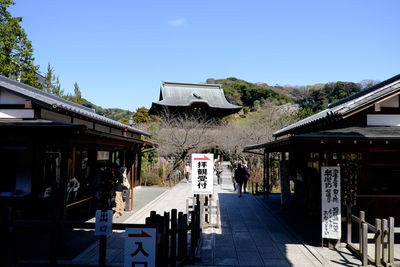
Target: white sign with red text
x,y
202,173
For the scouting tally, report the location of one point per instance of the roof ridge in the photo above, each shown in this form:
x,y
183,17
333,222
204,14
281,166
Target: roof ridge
x,y
47,99
218,86
365,91
43,93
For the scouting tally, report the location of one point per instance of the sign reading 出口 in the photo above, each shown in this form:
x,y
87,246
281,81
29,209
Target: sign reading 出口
x,y
330,197
202,173
103,224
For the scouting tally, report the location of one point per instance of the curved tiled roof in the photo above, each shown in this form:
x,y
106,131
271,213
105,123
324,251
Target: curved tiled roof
x,y
53,102
186,94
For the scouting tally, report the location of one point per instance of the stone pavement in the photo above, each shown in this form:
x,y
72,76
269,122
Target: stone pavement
x,y
158,199
250,234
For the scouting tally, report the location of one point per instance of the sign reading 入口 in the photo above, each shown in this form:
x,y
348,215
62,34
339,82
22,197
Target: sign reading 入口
x,y
140,247
202,173
330,197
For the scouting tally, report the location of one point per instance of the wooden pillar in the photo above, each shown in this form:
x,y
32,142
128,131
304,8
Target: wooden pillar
x,y
132,180
64,180
139,166
73,161
284,180
267,173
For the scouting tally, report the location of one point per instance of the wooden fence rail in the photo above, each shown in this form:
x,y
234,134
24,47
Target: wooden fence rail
x,y
382,233
173,230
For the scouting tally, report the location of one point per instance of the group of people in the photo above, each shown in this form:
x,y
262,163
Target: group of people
x,y
109,184
240,177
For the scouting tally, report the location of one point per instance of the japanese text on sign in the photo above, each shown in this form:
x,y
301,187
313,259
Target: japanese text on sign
x,y
330,197
103,222
202,173
140,247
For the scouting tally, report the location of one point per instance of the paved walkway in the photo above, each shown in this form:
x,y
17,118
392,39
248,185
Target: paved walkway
x,y
250,234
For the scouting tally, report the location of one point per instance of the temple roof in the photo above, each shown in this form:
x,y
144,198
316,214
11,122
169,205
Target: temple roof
x,y
54,103
173,94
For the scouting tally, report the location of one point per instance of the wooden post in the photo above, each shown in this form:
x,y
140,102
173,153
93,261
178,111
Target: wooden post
x,y
209,208
348,224
192,233
385,240
267,186
218,214
391,240
173,238
180,235
165,240
153,214
102,251
184,230
364,254
132,182
73,161
206,207
198,222
360,230
378,240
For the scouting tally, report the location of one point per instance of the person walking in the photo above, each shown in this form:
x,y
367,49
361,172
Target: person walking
x,y
239,178
233,176
246,176
119,202
187,171
219,171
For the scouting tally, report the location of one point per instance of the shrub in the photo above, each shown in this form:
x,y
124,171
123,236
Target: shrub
x,y
152,179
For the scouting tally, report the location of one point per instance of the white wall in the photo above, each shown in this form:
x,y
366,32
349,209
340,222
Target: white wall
x,y
383,120
10,99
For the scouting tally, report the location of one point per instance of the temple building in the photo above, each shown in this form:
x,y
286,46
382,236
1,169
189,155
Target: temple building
x,y
359,134
52,152
207,100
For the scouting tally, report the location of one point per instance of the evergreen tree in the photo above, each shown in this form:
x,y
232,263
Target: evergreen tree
x,y
49,79
141,115
16,52
51,83
78,95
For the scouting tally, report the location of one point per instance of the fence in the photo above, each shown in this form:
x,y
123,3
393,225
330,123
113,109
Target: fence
x,y
253,186
173,230
209,209
172,242
382,234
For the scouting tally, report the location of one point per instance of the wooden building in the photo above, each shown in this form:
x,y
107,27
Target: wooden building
x,y
361,134
51,150
207,100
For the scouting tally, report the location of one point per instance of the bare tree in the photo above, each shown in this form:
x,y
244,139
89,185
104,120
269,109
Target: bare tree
x,y
178,136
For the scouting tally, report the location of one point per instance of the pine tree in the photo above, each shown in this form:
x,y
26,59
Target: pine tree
x,y
78,95
49,79
51,83
16,52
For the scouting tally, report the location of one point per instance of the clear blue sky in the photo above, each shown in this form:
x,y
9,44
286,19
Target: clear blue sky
x,y
119,52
